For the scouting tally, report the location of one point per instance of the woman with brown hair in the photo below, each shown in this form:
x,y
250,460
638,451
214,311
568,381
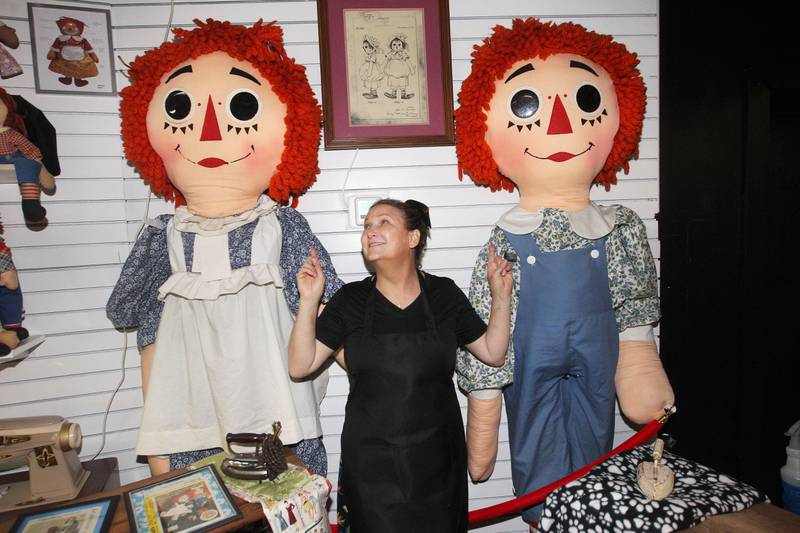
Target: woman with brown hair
x,y
403,463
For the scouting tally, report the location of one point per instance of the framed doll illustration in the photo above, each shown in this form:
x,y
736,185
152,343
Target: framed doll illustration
x,y
72,50
386,79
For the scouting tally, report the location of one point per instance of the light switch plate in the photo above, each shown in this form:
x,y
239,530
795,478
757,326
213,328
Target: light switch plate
x,y
359,206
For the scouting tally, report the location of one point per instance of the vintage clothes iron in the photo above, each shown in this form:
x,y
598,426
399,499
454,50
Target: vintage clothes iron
x,y
49,445
267,460
655,479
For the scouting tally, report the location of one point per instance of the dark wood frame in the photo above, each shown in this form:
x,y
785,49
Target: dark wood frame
x,y
111,508
172,479
334,141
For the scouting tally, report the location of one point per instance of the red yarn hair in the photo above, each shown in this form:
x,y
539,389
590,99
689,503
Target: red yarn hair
x,y
531,38
260,45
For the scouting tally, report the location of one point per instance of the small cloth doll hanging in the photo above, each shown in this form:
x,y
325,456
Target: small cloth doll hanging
x,y
549,110
71,54
8,65
11,311
16,149
222,122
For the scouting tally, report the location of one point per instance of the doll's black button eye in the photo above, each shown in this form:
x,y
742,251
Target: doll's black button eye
x,y
178,105
588,98
243,105
524,103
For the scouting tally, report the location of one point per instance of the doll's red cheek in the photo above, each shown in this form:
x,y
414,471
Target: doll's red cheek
x,y
507,150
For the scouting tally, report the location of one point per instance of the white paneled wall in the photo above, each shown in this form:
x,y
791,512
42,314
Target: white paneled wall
x,y
68,269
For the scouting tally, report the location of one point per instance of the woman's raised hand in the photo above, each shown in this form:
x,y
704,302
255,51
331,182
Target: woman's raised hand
x,y
500,276
310,278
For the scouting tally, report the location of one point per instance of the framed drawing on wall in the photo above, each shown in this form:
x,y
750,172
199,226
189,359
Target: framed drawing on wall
x,y
386,79
72,49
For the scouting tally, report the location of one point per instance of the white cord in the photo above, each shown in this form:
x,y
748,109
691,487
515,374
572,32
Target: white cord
x,y
145,220
347,176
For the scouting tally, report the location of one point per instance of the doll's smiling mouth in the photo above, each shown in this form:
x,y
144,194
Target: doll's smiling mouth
x,y
214,162
560,157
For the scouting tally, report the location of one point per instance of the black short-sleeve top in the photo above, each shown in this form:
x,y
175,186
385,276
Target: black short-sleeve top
x,y
344,313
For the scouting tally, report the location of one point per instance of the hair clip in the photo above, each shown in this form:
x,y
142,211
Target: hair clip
x,y
422,208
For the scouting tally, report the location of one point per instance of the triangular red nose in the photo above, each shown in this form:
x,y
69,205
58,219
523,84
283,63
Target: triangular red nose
x,y
559,121
210,125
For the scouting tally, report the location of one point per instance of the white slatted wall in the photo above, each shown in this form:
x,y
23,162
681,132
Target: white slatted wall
x,y
68,270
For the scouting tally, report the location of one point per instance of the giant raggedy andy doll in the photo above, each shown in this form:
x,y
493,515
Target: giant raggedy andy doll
x,y
550,110
222,122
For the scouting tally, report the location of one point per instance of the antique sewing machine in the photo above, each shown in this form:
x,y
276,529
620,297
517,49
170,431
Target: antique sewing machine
x,y
49,445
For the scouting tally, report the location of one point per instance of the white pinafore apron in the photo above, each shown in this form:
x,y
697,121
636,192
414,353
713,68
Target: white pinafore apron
x,y
220,362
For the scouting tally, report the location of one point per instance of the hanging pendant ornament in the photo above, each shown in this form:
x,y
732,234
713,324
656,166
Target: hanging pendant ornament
x,y
655,480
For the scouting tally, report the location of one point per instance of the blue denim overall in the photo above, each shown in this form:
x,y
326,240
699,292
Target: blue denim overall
x,y
560,406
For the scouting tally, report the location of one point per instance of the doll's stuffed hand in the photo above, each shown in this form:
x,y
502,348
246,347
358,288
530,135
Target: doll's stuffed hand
x,y
47,181
52,55
9,280
643,389
500,279
94,57
311,279
483,424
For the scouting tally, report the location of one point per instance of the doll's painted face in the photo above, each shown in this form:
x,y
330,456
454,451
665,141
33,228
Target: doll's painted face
x,y
551,124
397,45
70,28
368,48
218,127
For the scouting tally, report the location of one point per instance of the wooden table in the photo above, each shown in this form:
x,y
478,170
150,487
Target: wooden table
x,y
760,518
103,476
251,512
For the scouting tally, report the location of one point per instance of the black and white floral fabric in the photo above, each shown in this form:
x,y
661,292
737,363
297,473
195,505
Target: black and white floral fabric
x,y
608,497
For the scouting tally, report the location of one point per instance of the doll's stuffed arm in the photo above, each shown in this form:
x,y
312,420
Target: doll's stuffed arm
x,y
643,389
642,385
296,243
134,301
483,383
483,423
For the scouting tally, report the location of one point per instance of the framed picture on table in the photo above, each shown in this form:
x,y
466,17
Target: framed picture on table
x,y
386,77
72,50
194,501
90,517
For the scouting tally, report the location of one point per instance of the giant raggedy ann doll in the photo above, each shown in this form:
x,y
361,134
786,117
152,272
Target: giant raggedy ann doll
x,y
222,122
551,110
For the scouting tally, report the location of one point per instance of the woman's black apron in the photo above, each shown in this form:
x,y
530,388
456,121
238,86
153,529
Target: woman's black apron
x,y
403,453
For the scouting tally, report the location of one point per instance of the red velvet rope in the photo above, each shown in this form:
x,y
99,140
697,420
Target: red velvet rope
x,y
539,495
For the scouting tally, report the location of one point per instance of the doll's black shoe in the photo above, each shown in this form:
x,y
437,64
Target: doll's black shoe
x,y
65,80
391,95
406,96
21,332
80,82
33,211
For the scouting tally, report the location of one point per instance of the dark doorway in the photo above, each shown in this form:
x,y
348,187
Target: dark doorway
x,y
729,191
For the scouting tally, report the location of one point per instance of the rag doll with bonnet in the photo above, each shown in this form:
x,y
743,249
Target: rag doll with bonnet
x,y
11,311
551,110
71,54
224,124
